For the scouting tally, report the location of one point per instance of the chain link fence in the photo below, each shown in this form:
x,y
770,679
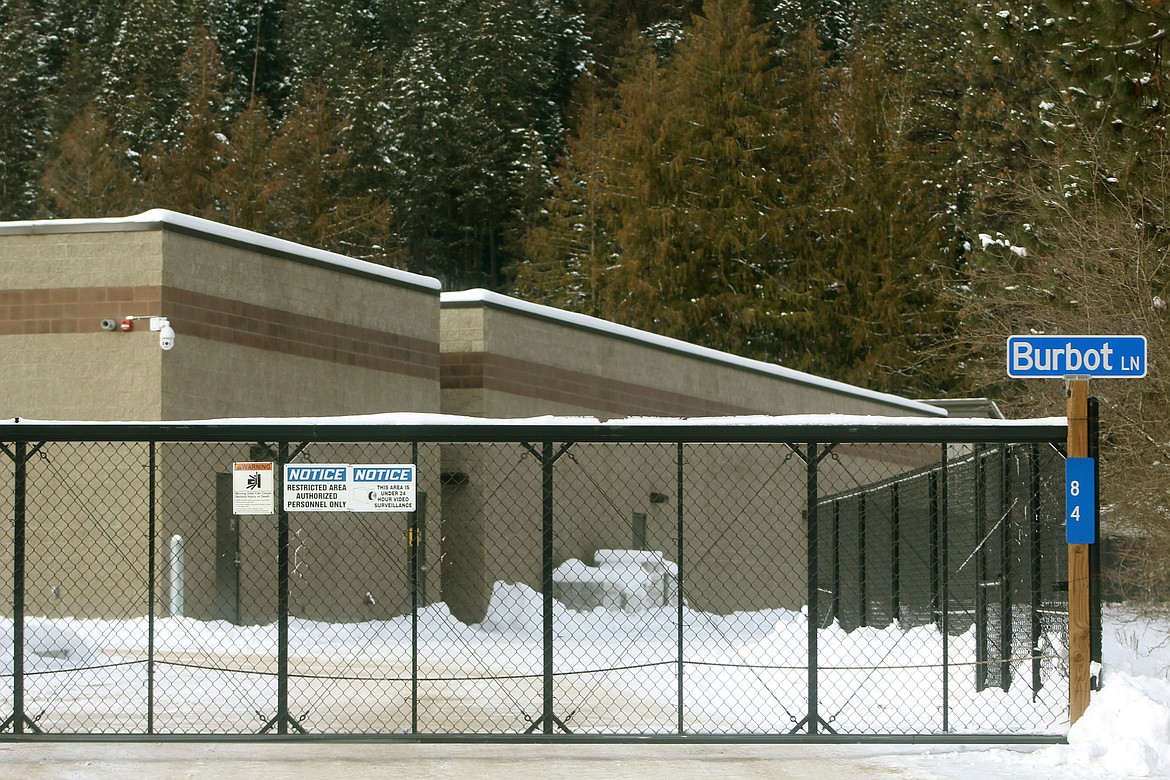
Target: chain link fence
x,y
610,581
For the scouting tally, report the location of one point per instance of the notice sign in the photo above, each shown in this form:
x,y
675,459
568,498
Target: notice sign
x,y
253,488
316,487
384,488
339,487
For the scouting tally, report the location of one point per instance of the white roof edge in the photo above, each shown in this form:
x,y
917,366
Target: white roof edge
x,y
207,226
479,295
436,419
848,420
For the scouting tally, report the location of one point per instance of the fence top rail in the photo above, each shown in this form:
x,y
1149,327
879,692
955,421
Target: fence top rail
x,y
408,427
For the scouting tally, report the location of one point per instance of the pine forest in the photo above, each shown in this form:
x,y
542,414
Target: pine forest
x,y
875,191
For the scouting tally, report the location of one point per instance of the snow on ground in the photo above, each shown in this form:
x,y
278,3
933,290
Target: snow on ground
x,y
1125,732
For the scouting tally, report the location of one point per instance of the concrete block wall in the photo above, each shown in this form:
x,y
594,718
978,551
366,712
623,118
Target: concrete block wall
x,y
54,290
502,357
264,327
269,329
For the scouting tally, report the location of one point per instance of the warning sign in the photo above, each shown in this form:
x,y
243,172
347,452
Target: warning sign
x,y
253,488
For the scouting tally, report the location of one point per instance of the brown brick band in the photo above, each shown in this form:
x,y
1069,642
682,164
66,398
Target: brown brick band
x,y
79,310
274,330
477,370
71,309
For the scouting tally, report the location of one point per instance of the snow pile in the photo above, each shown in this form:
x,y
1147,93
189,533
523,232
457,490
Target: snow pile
x,y
745,671
49,645
516,609
1125,733
630,580
1126,730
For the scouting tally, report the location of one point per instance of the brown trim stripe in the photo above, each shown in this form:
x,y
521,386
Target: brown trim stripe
x,y
72,309
477,370
485,300
276,330
79,310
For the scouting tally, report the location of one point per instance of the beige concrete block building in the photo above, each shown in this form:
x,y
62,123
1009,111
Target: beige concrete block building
x,y
263,327
506,358
270,329
503,357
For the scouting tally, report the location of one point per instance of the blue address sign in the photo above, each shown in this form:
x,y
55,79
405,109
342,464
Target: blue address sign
x,y
1080,500
1097,357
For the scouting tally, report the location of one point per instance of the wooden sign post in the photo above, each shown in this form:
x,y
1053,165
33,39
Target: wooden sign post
x,y
1079,646
1076,359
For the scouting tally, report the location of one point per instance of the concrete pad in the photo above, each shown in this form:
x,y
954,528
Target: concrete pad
x,y
350,761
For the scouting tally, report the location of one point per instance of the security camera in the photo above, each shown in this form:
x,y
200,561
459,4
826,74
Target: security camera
x,y
166,337
109,324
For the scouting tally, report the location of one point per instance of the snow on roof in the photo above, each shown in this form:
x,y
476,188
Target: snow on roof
x,y
419,419
156,218
489,298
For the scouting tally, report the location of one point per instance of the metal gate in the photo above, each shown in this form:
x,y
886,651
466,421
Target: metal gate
x,y
672,580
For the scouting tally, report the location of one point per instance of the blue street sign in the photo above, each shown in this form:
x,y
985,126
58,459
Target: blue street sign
x,y
1080,500
1094,357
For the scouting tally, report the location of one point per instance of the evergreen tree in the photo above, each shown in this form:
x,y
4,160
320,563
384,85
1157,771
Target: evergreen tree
x,y
182,175
1072,174
568,247
429,146
249,34
77,49
363,105
309,166
1064,99
792,220
22,106
244,185
612,24
685,193
876,305
702,164
472,124
1109,57
139,87
1008,77
325,44
319,40
836,23
90,176
307,205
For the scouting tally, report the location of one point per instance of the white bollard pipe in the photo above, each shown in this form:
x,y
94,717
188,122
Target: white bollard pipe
x,y
178,564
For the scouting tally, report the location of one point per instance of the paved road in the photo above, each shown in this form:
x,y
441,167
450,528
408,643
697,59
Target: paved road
x,y
335,761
